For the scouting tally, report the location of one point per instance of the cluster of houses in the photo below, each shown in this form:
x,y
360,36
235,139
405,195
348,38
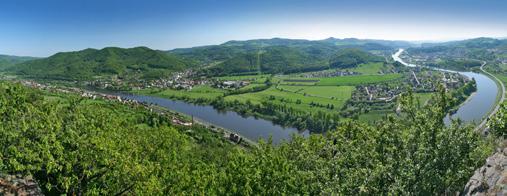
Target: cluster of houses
x,y
420,81
179,80
328,73
376,93
231,84
453,80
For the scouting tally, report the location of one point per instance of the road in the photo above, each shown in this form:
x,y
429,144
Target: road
x,y
502,97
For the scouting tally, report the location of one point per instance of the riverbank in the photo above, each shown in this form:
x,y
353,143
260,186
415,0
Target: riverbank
x,y
500,98
248,126
476,108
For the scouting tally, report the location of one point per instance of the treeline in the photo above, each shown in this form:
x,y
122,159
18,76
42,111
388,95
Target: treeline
x,y
316,122
458,96
457,64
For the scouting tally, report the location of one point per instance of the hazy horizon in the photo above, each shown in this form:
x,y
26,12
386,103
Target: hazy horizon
x,y
33,28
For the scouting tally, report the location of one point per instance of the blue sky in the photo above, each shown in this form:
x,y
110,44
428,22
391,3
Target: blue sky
x,y
42,28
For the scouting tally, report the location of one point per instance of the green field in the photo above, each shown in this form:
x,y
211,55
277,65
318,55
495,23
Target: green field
x,y
369,68
251,86
290,98
338,92
202,91
293,88
256,78
357,80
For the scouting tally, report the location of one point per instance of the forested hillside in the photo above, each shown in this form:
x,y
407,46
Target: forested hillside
x,y
283,55
79,146
7,61
90,63
478,48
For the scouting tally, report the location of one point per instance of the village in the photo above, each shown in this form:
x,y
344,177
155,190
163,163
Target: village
x,y
179,80
176,118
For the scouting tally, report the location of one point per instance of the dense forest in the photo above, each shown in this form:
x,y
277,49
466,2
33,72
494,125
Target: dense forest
x,y
74,145
7,61
91,63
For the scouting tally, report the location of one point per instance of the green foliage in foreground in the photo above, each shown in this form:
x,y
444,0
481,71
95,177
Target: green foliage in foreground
x,y
498,123
79,146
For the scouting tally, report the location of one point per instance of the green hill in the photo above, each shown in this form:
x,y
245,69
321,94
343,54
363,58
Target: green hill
x,y
280,55
274,59
283,59
349,58
87,64
228,50
7,61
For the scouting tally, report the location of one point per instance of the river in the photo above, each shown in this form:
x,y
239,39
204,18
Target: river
x,y
478,105
474,109
249,127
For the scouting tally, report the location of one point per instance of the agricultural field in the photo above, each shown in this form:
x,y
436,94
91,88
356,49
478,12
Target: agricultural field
x,y
357,80
369,68
201,91
290,99
335,92
254,78
298,81
251,86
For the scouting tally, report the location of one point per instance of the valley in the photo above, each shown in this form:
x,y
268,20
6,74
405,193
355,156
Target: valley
x,y
249,112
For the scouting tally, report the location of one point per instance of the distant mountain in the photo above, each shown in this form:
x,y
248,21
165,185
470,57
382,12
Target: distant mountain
x,y
481,42
7,61
87,64
479,48
369,43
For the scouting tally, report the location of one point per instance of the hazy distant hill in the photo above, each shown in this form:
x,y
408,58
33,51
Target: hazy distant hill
x,y
89,63
372,44
481,42
478,48
7,61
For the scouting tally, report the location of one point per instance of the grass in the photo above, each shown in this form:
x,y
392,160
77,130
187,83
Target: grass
x,y
251,86
256,78
201,91
338,92
294,89
357,80
290,98
369,68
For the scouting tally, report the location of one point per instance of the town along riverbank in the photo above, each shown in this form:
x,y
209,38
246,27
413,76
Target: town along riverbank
x,y
478,106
